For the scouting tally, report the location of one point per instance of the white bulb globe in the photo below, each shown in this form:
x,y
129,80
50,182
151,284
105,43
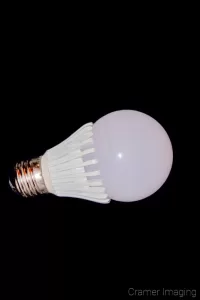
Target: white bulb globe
x,y
134,154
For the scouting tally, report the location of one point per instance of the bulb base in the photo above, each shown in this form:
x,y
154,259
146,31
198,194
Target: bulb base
x,y
27,179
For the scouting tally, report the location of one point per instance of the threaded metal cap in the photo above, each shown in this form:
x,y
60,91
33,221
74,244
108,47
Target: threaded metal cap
x,y
27,179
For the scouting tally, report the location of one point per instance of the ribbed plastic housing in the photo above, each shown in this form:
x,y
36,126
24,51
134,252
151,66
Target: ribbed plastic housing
x,y
71,169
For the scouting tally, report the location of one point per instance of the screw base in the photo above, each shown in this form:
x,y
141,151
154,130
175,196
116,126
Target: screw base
x,y
27,179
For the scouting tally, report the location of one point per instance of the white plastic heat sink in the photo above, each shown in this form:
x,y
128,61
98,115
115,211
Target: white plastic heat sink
x,y
70,169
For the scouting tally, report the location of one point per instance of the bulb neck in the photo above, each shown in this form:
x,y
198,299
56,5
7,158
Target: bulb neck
x,y
27,179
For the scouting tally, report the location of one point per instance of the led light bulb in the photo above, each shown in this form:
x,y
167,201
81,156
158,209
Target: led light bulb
x,y
125,156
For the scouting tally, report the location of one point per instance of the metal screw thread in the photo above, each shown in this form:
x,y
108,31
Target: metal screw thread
x,y
27,179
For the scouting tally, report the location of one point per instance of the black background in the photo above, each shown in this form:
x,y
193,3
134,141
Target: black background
x,y
72,245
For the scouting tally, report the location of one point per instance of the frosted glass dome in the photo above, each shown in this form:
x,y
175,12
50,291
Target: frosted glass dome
x,y
134,154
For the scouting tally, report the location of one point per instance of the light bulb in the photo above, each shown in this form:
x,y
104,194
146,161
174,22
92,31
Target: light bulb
x,y
125,156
